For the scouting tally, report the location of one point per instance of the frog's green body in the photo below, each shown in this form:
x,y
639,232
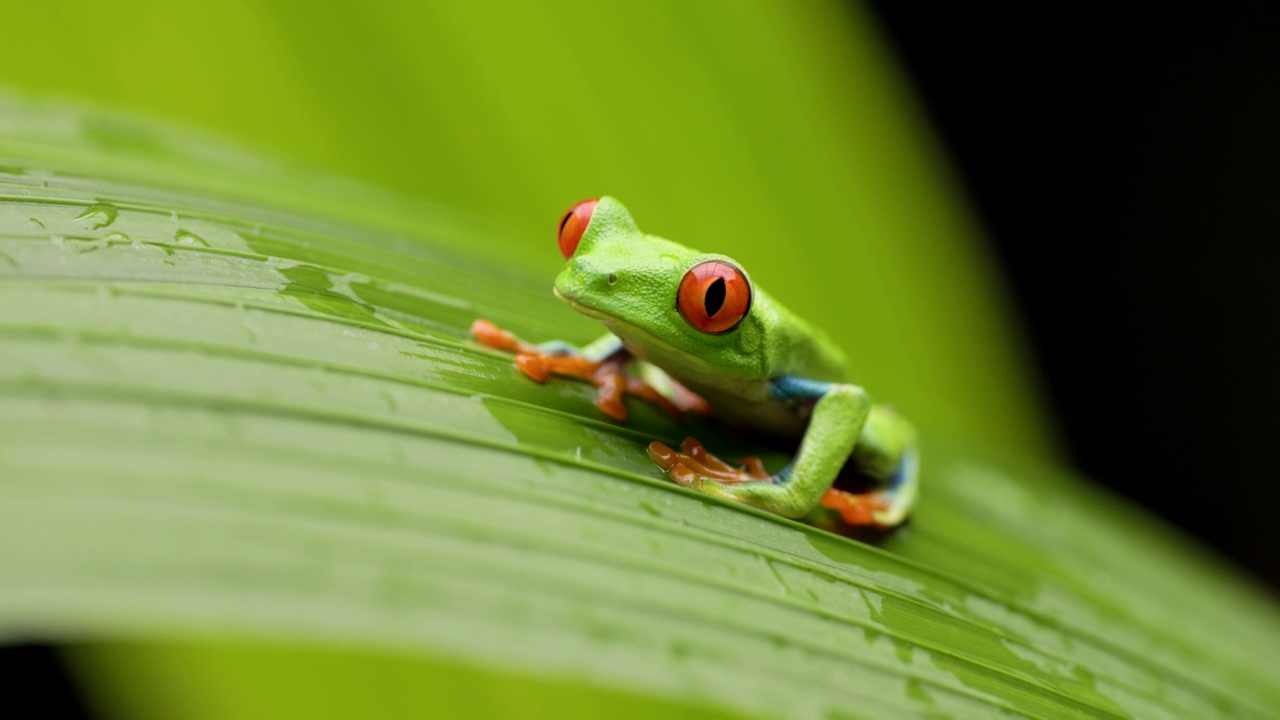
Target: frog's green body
x,y
745,393
771,371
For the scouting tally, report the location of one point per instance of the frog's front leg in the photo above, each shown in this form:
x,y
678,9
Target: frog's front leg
x,y
604,363
836,420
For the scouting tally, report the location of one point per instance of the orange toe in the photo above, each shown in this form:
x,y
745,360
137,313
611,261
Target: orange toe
x,y
853,509
683,475
663,456
533,367
493,336
611,406
693,461
755,467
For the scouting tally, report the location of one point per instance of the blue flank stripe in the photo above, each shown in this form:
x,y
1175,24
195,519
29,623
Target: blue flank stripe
x,y
906,469
782,476
789,388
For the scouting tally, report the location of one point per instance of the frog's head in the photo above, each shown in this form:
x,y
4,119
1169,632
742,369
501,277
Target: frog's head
x,y
658,296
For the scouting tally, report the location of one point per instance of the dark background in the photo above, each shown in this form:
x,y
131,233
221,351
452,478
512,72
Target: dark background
x,y
1127,169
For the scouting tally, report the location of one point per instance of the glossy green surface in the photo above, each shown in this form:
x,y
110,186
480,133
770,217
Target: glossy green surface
x,y
224,420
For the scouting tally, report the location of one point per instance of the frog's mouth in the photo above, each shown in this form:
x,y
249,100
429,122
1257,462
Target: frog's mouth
x,y
616,325
584,309
636,338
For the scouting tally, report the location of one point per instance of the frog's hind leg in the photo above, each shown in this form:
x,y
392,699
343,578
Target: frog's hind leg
x,y
884,507
886,451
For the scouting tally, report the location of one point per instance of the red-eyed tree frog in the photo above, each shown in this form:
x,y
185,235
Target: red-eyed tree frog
x,y
688,331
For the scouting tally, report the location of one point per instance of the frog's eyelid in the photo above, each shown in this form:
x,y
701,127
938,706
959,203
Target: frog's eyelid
x,y
573,225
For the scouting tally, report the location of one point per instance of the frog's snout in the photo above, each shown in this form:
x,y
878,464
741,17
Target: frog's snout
x,y
583,279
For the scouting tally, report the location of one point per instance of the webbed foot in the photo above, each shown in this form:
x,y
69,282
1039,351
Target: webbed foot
x,y
883,508
859,509
692,463
695,468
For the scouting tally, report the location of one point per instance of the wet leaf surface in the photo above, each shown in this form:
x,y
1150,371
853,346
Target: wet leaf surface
x,y
260,420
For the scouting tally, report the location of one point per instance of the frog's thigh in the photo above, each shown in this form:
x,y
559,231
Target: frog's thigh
x,y
882,442
887,451
834,427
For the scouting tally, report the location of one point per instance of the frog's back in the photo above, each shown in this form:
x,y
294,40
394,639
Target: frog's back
x,y
796,347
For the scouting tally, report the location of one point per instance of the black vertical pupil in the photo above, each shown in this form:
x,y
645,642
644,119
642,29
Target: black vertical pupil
x,y
714,299
564,220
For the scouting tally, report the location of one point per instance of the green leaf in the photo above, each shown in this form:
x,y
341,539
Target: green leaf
x,y
264,422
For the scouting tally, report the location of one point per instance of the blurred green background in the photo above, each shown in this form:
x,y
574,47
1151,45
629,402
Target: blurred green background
x,y
779,132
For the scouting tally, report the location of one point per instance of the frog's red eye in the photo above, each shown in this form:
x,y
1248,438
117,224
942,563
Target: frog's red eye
x,y
573,224
714,297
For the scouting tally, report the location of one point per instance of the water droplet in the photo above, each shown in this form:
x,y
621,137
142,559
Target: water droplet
x,y
280,263
186,237
119,238
58,240
87,246
98,215
35,223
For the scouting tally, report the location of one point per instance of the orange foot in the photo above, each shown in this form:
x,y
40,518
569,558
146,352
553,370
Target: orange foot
x,y
855,509
609,375
693,462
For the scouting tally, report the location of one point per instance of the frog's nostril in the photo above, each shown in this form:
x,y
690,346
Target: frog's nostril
x,y
612,278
